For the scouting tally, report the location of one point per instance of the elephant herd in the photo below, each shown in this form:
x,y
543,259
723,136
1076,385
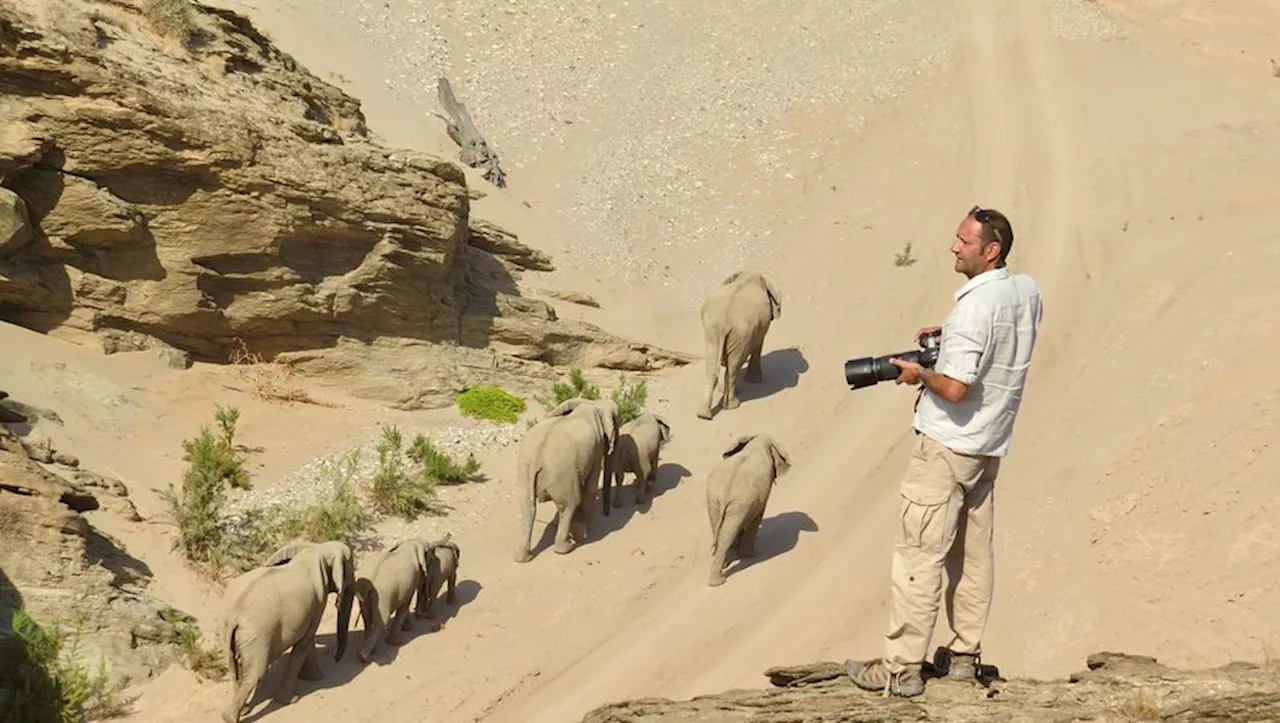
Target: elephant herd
x,y
580,441
278,606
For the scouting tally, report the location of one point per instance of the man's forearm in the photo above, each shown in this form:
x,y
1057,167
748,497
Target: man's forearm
x,y
944,386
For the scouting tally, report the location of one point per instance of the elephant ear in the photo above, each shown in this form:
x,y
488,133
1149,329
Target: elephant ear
x,y
738,445
664,430
732,278
566,407
775,300
781,460
287,553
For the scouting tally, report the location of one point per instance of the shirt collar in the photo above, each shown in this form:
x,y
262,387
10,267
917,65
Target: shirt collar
x,y
996,274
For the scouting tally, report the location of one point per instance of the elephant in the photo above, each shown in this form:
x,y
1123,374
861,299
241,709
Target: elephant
x,y
636,452
385,585
278,606
561,458
738,489
736,315
443,564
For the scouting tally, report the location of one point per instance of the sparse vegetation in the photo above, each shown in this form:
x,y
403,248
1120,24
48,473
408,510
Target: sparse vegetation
x,y
492,403
268,381
904,257
48,684
404,485
204,661
338,518
398,489
172,18
630,398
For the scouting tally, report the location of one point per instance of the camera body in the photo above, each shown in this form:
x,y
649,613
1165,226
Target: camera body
x,y
871,370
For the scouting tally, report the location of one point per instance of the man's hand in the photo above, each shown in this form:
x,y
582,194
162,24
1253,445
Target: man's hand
x,y
910,371
927,330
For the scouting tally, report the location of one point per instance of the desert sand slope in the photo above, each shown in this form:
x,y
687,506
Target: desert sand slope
x,y
1135,150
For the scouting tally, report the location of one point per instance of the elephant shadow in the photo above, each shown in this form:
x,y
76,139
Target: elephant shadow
x,y
777,535
340,673
779,369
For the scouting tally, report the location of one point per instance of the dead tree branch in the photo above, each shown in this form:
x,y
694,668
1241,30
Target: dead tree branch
x,y
475,150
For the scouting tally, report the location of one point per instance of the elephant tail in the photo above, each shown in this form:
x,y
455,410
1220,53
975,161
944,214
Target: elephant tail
x,y
232,651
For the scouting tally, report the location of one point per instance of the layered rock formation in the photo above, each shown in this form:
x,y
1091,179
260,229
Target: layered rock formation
x,y
63,571
1115,687
159,193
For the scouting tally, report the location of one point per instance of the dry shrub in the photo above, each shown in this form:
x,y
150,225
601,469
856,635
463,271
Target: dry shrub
x,y
268,380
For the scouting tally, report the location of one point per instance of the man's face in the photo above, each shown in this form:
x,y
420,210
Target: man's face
x,y
971,258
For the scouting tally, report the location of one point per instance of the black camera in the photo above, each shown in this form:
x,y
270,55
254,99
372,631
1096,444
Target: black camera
x,y
871,370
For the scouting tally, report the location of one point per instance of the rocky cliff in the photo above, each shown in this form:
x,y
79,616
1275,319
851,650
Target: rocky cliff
x,y
61,570
1114,687
193,191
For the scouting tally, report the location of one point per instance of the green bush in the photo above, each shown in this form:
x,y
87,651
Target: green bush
x,y
492,403
46,684
630,398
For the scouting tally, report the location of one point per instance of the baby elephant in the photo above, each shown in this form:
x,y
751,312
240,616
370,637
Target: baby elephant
x,y
737,491
636,452
442,566
385,585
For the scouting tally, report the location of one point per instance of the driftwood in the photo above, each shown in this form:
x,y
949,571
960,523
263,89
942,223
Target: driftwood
x,y
475,150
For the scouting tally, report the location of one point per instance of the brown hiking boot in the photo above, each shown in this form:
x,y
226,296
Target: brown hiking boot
x,y
875,676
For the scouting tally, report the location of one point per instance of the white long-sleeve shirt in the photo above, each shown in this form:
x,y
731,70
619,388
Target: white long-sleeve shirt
x,y
986,343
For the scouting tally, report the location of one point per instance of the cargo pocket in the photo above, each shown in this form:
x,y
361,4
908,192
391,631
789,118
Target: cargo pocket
x,y
926,499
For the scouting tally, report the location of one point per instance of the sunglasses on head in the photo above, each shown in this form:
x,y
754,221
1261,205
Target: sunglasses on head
x,y
982,216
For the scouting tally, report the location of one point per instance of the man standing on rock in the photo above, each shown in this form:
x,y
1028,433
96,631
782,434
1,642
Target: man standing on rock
x,y
964,419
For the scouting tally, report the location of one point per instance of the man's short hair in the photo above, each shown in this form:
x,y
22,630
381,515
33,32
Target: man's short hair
x,y
995,227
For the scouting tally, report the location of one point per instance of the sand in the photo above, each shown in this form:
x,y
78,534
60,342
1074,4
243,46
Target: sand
x,y
1134,146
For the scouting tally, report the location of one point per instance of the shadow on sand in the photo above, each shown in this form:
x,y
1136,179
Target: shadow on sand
x,y
778,534
337,674
779,369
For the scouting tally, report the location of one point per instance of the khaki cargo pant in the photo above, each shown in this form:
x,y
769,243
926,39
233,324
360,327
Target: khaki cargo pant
x,y
946,517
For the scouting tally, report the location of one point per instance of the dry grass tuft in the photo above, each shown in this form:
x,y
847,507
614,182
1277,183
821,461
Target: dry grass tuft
x,y
269,381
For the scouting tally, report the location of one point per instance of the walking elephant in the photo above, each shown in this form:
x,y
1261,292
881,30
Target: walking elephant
x,y
738,489
561,458
636,452
735,318
385,585
277,607
443,564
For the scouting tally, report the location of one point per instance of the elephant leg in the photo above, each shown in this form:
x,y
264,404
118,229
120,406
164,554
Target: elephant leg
x,y
747,542
712,360
724,540
373,630
399,623
287,692
564,518
754,373
619,475
453,579
253,666
643,478
311,665
737,357
423,604
528,505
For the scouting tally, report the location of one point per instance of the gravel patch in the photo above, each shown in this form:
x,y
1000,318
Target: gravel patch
x,y
313,480
1082,20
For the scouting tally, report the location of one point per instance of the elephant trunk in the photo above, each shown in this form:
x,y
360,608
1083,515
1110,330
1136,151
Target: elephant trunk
x,y
346,600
